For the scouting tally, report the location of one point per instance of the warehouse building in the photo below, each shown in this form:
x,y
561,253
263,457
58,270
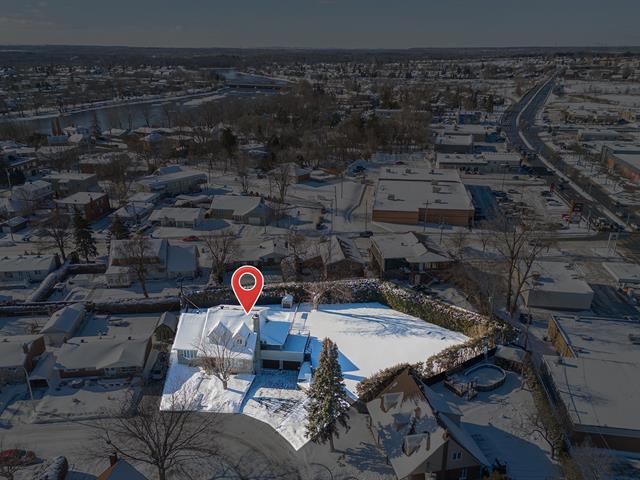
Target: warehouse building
x,y
558,286
413,196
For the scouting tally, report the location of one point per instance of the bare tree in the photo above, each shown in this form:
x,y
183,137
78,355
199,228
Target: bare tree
x,y
541,422
222,248
282,180
218,354
459,241
243,173
520,243
136,253
171,439
56,230
316,292
14,460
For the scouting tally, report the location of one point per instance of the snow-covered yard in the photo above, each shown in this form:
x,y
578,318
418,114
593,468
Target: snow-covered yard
x,y
370,337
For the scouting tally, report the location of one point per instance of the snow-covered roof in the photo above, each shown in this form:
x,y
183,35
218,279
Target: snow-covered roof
x,y
98,353
66,320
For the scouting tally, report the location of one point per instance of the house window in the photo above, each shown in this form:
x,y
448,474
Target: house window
x,y
456,455
188,354
463,474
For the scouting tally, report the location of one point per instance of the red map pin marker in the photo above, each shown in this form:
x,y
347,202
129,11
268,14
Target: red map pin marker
x,y
247,296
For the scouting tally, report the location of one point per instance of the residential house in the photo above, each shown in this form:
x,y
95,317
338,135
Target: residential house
x,y
177,217
172,180
28,197
294,172
243,209
336,258
262,340
25,269
405,256
18,356
164,261
68,183
91,205
113,357
422,435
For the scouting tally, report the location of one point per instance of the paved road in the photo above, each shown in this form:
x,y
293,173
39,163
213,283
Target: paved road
x,y
518,123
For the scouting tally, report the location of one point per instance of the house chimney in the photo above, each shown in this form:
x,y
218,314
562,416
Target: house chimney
x,y
113,459
257,360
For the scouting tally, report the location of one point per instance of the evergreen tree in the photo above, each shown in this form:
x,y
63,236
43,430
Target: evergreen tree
x,y
83,237
118,229
328,403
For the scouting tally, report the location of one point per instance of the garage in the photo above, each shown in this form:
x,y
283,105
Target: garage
x,y
290,365
274,364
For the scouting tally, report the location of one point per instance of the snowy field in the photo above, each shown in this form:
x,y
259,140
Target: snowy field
x,y
370,337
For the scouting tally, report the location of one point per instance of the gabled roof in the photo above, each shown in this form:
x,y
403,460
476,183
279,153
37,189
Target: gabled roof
x,y
98,353
65,320
121,470
412,429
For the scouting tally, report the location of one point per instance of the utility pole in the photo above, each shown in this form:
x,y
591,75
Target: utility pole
x,y
366,208
426,207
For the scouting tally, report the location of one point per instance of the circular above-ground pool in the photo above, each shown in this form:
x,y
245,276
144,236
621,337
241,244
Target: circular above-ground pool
x,y
485,377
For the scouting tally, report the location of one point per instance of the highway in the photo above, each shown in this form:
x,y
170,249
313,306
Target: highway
x,y
518,123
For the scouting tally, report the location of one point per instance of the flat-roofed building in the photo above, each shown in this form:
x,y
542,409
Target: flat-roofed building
x,y
487,162
558,286
454,144
412,196
594,381
624,273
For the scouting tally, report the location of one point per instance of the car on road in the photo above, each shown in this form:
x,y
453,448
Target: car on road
x,y
191,238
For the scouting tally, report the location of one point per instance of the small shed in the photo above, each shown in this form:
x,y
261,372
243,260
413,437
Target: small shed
x,y
166,327
287,301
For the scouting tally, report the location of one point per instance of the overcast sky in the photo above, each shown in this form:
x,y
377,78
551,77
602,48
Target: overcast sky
x,y
322,23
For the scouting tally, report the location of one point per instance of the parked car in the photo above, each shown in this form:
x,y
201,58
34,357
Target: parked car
x,y
191,238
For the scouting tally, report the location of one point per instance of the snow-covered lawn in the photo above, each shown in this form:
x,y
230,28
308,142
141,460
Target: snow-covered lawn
x,y
372,337
185,383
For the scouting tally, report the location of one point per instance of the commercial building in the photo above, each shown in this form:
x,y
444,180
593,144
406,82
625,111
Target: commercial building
x,y
413,196
624,158
454,144
624,273
557,286
487,162
594,381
